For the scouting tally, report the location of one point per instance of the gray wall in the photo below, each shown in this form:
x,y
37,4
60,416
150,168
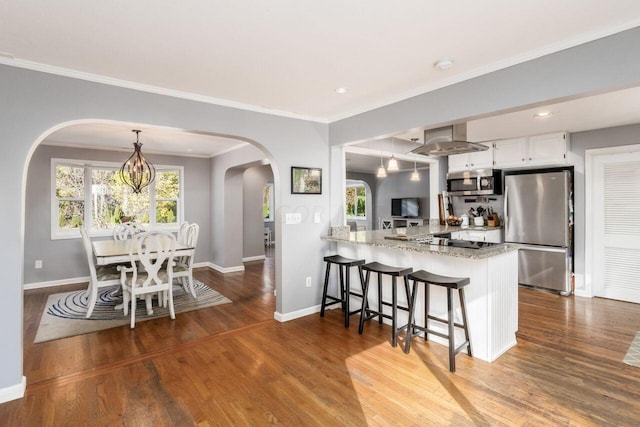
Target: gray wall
x,y
254,180
33,104
64,259
398,185
581,141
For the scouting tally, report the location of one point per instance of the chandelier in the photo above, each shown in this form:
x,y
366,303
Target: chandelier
x,y
137,172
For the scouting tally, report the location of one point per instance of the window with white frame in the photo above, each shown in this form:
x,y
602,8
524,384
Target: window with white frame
x,y
356,201
267,203
91,194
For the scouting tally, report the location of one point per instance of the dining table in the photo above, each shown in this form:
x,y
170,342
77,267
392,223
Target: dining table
x,y
117,251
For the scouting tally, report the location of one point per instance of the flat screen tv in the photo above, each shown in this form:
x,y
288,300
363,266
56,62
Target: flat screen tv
x,y
408,207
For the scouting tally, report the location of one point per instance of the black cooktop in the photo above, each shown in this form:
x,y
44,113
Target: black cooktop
x,y
440,241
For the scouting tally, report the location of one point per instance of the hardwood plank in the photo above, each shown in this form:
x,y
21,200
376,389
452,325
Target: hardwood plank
x,y
235,365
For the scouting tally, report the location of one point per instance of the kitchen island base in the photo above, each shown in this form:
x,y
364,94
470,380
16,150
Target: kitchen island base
x,y
491,297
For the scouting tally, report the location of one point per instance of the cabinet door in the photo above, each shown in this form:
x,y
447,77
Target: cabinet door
x,y
550,149
510,153
458,162
493,236
482,159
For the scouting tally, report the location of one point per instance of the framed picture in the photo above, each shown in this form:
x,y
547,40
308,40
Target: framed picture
x,y
306,180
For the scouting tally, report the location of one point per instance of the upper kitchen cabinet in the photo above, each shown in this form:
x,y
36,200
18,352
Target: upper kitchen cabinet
x,y
470,161
539,150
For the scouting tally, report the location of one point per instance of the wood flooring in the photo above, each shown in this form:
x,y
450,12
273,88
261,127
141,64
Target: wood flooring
x,y
234,364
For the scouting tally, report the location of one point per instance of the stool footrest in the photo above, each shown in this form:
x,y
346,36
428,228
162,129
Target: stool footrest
x,y
438,319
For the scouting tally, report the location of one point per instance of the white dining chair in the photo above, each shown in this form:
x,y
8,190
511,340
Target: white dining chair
x,y
183,269
182,232
267,236
127,230
155,250
100,276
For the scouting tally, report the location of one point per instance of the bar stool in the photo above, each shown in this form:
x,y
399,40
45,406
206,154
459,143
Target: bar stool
x,y
367,313
345,285
450,283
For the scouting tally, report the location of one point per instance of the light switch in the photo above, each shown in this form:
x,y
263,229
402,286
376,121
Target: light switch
x,y
316,217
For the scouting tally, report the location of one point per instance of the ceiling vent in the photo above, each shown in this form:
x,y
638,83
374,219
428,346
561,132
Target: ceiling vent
x,y
446,141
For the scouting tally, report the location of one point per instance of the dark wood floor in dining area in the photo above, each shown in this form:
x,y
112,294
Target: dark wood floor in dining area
x,y
234,364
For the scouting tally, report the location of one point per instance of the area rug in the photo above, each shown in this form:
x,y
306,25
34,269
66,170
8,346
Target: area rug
x,y
633,354
64,314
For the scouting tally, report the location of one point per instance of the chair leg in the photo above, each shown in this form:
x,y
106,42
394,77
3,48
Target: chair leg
x,y
169,292
191,287
93,297
347,296
380,298
412,305
324,289
149,302
133,310
125,301
463,307
365,303
452,345
394,312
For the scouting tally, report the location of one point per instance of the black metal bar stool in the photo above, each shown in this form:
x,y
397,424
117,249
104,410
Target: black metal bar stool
x,y
345,285
450,283
367,313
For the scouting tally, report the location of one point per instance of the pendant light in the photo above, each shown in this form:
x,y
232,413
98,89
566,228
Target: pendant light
x,y
381,172
392,166
415,176
137,172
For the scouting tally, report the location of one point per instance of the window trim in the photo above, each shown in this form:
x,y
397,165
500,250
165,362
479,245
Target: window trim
x,y
89,165
271,201
356,218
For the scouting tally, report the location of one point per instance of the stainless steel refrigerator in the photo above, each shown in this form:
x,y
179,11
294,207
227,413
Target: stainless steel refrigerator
x,y
538,213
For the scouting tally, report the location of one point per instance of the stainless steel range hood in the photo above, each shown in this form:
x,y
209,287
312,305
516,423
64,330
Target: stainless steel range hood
x,y
448,140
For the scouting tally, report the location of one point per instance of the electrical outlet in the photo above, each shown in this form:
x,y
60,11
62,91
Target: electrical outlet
x,y
308,282
38,263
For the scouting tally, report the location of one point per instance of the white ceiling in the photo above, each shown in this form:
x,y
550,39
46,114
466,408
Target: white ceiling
x,y
288,56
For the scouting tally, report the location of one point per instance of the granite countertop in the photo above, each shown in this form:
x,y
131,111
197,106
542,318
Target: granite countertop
x,y
389,239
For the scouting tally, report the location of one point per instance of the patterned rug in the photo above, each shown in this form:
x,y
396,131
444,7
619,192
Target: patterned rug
x,y
633,355
64,313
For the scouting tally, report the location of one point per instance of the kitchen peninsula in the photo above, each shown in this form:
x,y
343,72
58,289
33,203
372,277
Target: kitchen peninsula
x,y
492,296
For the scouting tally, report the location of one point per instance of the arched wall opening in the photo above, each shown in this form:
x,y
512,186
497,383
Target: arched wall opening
x,y
40,103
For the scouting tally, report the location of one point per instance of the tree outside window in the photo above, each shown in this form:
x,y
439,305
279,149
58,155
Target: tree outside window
x,y
109,201
267,202
356,201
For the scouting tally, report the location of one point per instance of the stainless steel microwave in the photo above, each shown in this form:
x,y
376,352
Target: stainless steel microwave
x,y
480,182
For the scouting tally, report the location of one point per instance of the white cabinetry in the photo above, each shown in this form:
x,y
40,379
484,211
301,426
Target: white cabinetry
x,y
390,223
493,236
470,161
539,150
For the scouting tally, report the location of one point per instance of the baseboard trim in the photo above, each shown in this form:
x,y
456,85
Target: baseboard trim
x,y
13,392
296,314
254,258
226,269
52,283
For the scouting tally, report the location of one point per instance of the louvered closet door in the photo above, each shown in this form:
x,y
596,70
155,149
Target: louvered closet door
x,y
617,231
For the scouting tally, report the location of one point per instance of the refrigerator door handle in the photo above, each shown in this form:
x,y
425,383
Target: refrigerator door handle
x,y
541,248
506,206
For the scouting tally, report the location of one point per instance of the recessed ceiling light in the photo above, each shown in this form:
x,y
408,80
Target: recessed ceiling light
x,y
542,114
341,90
443,64
189,150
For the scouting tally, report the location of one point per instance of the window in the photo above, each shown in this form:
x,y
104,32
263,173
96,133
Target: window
x,y
267,203
356,201
108,201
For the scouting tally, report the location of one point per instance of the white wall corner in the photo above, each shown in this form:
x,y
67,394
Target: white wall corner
x,y
53,283
280,317
225,269
13,392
